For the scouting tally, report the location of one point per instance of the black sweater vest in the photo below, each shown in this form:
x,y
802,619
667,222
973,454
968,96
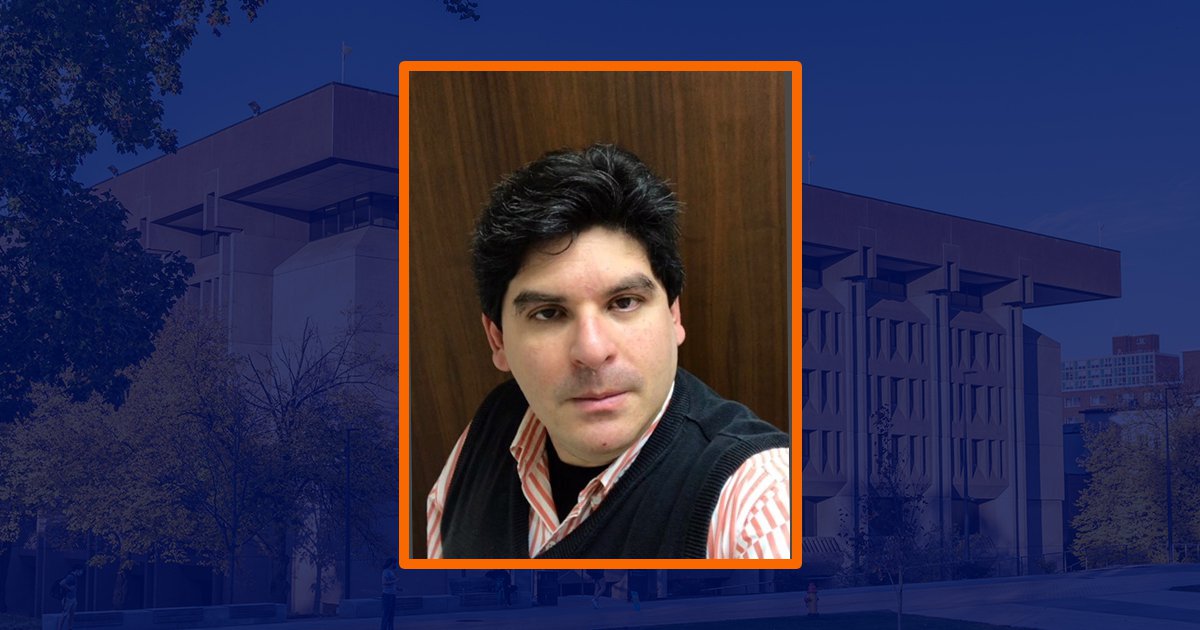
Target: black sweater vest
x,y
660,508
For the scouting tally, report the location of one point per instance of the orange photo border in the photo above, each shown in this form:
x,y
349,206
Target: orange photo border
x,y
405,539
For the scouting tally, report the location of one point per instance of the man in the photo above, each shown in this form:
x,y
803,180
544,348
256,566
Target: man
x,y
502,579
602,447
388,581
597,576
70,601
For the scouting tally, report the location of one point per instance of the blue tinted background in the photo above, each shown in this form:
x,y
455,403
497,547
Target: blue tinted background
x,y
1076,121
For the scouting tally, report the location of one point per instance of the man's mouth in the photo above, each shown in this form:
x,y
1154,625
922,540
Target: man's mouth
x,y
599,402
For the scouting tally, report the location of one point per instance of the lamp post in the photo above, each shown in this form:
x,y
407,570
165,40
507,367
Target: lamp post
x,y
346,581
966,499
966,471
1167,447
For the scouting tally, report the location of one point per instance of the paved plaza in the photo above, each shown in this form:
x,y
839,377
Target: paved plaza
x,y
1119,598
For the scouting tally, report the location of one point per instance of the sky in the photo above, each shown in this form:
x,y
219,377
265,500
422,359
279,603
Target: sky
x,y
1077,120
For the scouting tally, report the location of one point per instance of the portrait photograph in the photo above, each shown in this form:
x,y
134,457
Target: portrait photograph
x,y
599,286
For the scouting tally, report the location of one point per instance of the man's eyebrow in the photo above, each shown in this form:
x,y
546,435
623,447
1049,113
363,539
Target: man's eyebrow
x,y
525,299
632,282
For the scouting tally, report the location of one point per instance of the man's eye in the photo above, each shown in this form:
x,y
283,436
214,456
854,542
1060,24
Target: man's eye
x,y
544,314
626,303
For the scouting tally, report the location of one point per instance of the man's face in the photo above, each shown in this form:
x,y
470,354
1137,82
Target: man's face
x,y
591,340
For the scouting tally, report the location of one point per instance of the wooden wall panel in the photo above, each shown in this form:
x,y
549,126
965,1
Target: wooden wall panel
x,y
721,138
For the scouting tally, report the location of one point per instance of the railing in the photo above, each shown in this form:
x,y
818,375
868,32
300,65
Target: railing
x,y
961,569
195,616
1011,566
1119,555
717,590
1186,552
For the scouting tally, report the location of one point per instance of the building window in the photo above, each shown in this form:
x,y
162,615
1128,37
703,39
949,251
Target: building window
x,y
836,319
889,285
327,219
812,273
809,522
966,302
351,214
210,243
383,211
362,211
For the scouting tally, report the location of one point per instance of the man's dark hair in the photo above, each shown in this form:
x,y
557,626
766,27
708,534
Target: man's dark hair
x,y
564,193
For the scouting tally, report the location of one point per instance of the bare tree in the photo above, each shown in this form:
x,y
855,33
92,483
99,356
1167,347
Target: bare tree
x,y
212,454
329,404
894,538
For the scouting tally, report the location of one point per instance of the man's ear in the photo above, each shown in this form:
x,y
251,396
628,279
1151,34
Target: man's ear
x,y
495,339
680,333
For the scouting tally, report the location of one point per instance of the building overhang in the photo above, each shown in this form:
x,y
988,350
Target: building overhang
x,y
907,243
314,150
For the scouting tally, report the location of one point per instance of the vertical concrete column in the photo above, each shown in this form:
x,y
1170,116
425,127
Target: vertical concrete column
x,y
860,404
1015,458
943,436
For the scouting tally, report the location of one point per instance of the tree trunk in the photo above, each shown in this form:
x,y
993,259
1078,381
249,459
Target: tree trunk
x,y
900,599
4,555
230,576
281,580
121,583
317,595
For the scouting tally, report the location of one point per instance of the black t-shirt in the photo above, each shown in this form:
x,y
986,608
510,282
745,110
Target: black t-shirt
x,y
566,481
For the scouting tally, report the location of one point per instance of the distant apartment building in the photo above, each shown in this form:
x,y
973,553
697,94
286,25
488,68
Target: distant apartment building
x,y
1191,370
1128,378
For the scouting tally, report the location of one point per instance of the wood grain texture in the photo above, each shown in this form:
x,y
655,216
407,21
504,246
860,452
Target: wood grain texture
x,y
720,138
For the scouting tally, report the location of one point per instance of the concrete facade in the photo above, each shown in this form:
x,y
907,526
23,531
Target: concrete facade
x,y
269,216
922,313
290,217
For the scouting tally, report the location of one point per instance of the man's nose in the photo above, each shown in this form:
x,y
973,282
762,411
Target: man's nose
x,y
593,344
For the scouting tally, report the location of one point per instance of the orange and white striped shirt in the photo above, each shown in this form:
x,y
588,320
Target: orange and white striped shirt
x,y
752,518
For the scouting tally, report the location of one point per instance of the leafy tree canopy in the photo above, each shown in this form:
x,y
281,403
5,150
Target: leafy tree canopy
x,y
1122,510
212,454
79,298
